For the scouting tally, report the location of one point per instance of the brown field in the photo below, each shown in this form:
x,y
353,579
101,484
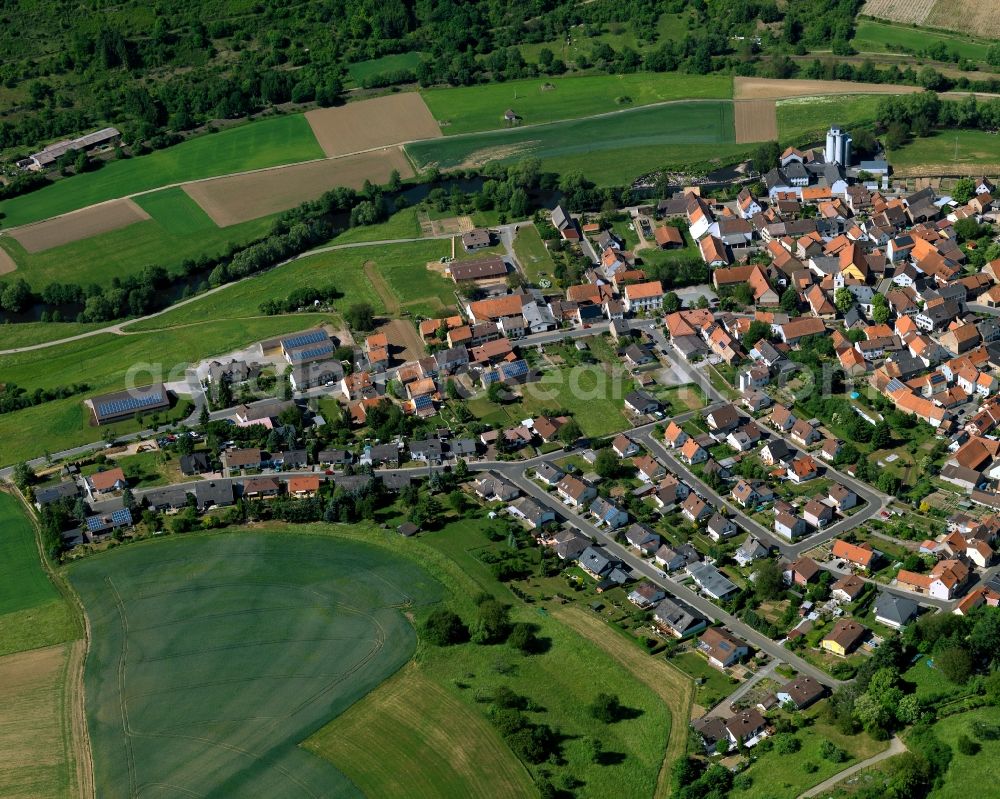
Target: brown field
x,y
77,225
756,120
907,11
239,198
7,264
404,340
367,124
936,170
674,687
774,89
978,17
35,731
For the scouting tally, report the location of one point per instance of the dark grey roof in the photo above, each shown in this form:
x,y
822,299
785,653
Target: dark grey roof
x,y
894,608
213,492
45,495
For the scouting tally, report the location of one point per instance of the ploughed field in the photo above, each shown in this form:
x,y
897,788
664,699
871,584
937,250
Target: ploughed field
x,y
213,657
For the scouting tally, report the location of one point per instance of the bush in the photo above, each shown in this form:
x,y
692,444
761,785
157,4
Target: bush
x,y
967,746
786,744
444,627
606,708
830,751
522,637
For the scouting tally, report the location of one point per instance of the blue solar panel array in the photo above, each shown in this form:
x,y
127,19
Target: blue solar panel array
x,y
513,370
423,402
313,337
129,404
120,518
490,377
315,352
95,523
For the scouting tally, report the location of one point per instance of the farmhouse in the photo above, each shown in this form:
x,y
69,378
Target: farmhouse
x,y
480,269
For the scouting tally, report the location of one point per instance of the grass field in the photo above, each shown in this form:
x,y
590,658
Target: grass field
x,y
438,746
401,225
159,241
871,36
396,62
38,756
102,361
978,153
715,685
480,108
24,334
176,212
268,142
213,657
968,774
531,254
608,149
803,120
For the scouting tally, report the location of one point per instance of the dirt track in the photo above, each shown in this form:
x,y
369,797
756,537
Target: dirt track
x,y
239,198
774,89
78,225
756,120
379,122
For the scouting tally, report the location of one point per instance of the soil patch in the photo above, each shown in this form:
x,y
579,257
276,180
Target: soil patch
x,y
404,343
774,89
7,263
78,225
381,288
912,12
934,170
240,198
368,124
756,120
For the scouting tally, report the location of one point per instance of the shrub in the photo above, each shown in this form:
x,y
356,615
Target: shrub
x,y
606,708
967,746
444,627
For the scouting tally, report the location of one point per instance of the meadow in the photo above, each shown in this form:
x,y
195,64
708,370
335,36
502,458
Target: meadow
x,y
978,152
871,36
24,334
968,774
607,149
213,657
531,254
804,120
264,143
359,71
470,109
177,232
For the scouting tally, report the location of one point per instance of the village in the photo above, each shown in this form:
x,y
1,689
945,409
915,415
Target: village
x,y
729,496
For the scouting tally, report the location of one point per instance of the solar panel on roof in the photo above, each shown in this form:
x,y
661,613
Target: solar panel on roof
x,y
301,355
312,337
513,370
490,376
132,403
422,402
95,523
121,517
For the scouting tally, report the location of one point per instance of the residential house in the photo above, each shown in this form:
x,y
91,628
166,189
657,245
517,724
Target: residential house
x,y
720,528
695,509
641,403
747,727
549,473
711,581
671,559
844,637
895,611
643,539
801,692
847,588
817,513
676,621
802,571
674,435
574,492
643,296
624,446
646,594
789,526
104,483
721,648
861,556
533,513
750,550
692,452
607,514
842,497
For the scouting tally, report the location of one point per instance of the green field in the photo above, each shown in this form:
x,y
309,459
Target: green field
x,y
968,774
804,120
102,362
532,255
480,108
32,613
872,36
213,657
24,334
608,149
161,241
401,225
268,142
396,62
977,152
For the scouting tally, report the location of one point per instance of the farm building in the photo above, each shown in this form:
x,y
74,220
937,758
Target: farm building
x,y
126,404
480,269
105,137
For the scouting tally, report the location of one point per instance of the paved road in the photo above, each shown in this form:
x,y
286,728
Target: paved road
x,y
722,709
896,747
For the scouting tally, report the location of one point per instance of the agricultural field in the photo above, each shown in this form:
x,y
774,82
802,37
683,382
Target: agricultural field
x,y
39,755
965,16
537,100
235,648
802,120
269,142
161,240
911,12
871,36
613,147
531,254
954,152
102,361
239,198
775,89
78,225
438,745
369,124
32,612
756,121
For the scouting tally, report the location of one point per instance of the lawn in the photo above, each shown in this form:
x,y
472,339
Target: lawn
x,y
102,362
969,152
155,468
401,225
128,250
535,260
24,334
784,776
871,36
32,612
234,648
469,109
804,120
714,686
929,682
607,149
256,145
